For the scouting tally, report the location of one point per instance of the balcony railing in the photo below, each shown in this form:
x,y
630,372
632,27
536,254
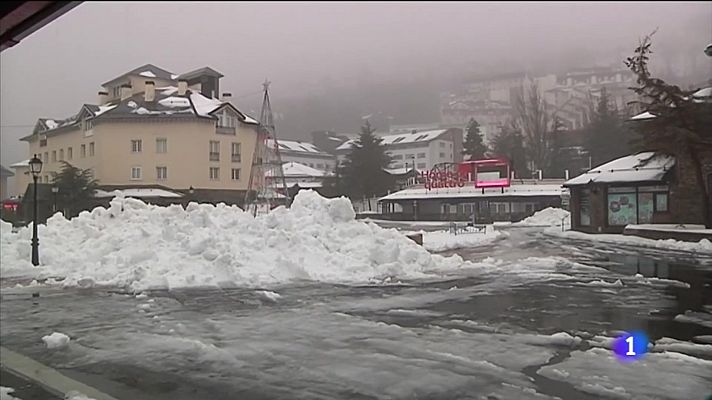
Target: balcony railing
x,y
236,158
214,156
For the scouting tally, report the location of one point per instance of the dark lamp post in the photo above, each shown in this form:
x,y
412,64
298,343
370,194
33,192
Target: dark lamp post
x,y
55,190
35,169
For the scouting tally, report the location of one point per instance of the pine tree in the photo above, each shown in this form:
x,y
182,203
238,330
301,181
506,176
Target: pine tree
x,y
606,136
473,146
681,122
76,188
363,171
509,143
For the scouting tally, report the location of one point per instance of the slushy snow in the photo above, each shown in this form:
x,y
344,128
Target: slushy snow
x,y
550,216
56,340
704,246
142,247
444,240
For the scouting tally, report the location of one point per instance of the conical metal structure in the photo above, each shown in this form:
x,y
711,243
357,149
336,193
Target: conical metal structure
x,y
267,174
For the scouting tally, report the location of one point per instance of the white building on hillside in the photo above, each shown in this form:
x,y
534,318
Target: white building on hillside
x,y
422,149
305,153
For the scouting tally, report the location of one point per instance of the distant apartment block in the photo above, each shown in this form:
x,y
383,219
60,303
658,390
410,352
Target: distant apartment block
x,y
305,153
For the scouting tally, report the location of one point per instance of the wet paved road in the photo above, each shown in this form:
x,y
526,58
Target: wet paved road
x,y
488,332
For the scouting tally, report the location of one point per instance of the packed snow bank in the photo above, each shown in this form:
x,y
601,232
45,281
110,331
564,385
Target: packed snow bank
x,y
56,340
139,246
5,393
704,246
444,240
547,217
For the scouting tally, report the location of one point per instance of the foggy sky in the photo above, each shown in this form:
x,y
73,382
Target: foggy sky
x,y
303,47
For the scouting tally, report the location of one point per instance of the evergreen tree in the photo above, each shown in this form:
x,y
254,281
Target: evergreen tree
x,y
363,171
558,160
76,189
606,136
509,143
473,146
680,124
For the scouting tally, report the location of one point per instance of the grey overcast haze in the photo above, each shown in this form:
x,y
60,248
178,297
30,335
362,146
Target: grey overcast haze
x,y
330,63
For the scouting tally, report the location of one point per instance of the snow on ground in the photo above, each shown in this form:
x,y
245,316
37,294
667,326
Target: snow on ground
x,y
679,346
550,216
598,372
75,395
5,393
444,240
671,228
56,340
269,295
704,246
139,246
695,317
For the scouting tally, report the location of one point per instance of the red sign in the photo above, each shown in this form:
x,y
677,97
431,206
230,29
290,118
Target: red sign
x,y
442,179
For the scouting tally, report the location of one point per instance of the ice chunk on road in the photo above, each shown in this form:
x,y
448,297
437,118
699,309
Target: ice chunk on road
x,y
56,340
75,395
269,295
444,240
695,317
597,371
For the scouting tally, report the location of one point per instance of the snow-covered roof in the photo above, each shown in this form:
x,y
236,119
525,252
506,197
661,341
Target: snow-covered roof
x,y
642,116
147,74
417,137
137,192
20,164
51,124
470,191
399,171
642,167
292,169
291,145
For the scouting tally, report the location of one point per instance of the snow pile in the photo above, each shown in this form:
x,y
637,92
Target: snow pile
x,y
5,393
56,340
173,101
51,124
444,240
269,295
550,216
139,246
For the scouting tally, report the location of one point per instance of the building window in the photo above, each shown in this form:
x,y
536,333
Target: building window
x,y
236,174
69,153
161,173
88,124
46,179
585,208
161,145
442,144
226,120
61,154
236,156
661,202
421,165
136,146
91,149
442,155
54,155
421,155
320,166
398,157
46,157
214,151
43,142
214,173
622,206
135,173
83,151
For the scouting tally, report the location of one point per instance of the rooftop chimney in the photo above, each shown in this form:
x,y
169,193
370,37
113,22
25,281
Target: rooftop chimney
x,y
103,97
125,91
182,87
226,96
149,93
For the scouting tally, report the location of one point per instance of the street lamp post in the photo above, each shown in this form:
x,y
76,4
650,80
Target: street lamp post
x,y
35,169
55,190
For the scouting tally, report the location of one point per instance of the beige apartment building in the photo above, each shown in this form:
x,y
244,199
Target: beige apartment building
x,y
154,129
